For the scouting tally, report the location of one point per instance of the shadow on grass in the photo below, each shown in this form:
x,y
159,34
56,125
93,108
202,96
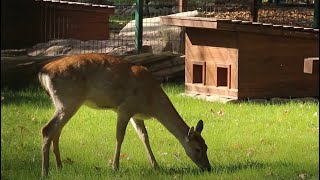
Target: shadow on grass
x,y
147,171
231,168
216,169
81,169
30,95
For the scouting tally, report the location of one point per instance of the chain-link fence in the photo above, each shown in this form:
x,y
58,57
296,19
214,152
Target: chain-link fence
x,y
158,38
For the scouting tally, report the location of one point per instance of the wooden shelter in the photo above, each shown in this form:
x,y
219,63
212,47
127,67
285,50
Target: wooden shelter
x,y
27,22
242,59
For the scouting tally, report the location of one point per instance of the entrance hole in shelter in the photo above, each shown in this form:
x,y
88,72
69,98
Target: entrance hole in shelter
x,y
198,75
222,76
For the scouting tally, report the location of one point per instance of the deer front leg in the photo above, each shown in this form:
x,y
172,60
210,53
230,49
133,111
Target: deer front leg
x,y
122,122
143,134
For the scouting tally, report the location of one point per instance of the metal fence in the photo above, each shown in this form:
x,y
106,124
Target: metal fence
x,y
159,38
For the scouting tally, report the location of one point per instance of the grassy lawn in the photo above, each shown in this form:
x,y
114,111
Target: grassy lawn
x,y
245,140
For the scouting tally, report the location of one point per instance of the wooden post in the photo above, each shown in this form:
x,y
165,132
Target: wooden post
x,y
254,11
316,14
146,8
138,23
182,5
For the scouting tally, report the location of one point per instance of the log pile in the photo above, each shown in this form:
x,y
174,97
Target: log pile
x,y
164,66
20,71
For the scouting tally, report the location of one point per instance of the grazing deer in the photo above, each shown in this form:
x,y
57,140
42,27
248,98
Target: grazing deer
x,y
104,81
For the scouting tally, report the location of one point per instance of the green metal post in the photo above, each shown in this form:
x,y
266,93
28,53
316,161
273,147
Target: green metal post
x,y
316,14
138,22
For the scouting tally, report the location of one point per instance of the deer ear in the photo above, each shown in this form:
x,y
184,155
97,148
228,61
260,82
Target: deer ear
x,y
199,126
191,131
190,134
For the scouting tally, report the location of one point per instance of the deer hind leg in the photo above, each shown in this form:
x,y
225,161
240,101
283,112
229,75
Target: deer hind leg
x,y
51,133
122,122
143,134
56,150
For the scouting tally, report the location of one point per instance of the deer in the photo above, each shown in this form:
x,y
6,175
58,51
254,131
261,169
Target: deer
x,y
103,81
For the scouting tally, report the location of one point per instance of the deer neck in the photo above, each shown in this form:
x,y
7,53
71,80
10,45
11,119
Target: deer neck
x,y
168,116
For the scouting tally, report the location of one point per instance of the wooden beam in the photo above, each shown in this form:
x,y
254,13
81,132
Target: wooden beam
x,y
254,11
311,65
316,14
182,5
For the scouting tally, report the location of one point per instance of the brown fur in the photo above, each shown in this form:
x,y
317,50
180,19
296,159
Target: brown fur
x,y
104,81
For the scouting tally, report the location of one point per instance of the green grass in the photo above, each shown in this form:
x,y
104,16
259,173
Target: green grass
x,y
245,140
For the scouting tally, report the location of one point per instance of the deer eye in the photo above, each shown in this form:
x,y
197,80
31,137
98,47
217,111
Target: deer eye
x,y
198,150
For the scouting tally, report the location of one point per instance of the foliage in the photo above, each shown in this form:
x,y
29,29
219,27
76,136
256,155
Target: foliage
x,y
245,140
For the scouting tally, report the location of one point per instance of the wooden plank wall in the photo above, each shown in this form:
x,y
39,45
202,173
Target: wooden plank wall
x,y
217,49
25,23
61,23
272,66
261,65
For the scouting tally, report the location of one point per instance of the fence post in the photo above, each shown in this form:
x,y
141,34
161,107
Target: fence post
x,y
138,24
316,14
182,5
254,11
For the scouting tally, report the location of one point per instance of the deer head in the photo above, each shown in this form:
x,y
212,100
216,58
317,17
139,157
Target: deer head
x,y
196,147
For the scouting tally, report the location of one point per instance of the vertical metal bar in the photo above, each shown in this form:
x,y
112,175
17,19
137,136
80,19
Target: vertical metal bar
x,y
50,22
67,30
4,17
54,22
45,22
63,27
41,21
316,14
58,28
138,24
79,46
